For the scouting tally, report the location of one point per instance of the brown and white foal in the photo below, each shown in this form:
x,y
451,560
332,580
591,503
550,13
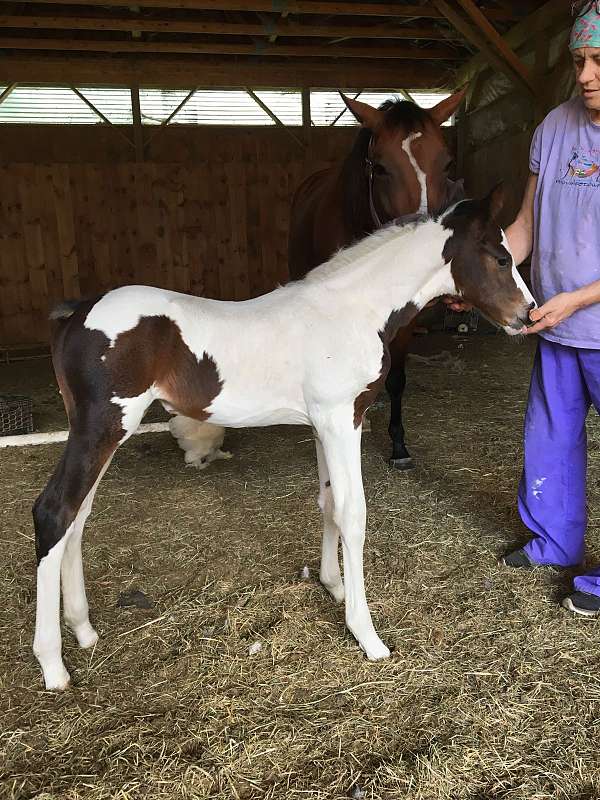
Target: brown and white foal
x,y
314,352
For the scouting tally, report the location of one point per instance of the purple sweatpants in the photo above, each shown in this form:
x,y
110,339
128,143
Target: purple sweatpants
x,y
565,382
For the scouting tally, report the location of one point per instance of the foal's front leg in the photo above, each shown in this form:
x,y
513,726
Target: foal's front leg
x,y
341,448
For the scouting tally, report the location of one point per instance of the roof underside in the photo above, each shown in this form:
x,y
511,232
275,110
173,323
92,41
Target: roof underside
x,y
248,42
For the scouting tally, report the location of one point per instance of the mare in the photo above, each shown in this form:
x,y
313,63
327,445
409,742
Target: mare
x,y
229,363
397,168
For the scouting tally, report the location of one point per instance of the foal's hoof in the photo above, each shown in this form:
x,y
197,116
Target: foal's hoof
x,y
56,679
402,463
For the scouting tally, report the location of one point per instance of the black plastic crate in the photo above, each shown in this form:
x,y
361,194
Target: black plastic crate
x,y
16,414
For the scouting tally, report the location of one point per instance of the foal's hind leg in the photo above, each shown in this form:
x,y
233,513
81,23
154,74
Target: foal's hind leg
x,y
59,513
330,575
75,604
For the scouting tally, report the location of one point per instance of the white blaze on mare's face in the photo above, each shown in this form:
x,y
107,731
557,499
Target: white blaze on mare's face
x,y
421,176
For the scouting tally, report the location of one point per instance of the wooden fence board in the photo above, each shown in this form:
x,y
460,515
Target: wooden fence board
x,y
216,226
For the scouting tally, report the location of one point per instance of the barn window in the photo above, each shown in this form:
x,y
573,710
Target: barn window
x,y
327,107
63,105
220,107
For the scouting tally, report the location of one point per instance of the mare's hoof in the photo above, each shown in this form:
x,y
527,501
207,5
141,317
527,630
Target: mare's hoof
x,y
402,463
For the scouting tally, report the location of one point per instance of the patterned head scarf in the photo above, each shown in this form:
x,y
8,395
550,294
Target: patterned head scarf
x,y
586,28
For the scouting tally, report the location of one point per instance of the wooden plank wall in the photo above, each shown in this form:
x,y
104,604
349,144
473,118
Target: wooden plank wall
x,y
213,221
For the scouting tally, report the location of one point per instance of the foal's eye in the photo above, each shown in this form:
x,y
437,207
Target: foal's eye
x,y
380,170
503,262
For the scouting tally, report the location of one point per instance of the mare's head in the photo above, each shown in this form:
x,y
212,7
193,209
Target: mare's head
x,y
402,153
481,264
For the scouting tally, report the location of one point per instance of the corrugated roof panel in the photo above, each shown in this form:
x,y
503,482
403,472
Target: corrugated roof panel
x,y
156,105
46,104
236,107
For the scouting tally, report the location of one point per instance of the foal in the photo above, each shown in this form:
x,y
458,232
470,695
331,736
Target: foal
x,y
237,365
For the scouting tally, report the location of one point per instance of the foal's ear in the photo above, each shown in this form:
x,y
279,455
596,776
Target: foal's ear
x,y
368,116
495,201
447,107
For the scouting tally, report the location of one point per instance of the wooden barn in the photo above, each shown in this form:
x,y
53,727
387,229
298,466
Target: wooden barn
x,y
161,143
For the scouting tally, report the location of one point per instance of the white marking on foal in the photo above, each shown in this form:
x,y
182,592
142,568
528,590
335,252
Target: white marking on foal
x,y
517,275
421,176
133,409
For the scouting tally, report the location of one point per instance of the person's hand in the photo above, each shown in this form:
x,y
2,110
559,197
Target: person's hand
x,y
556,310
456,303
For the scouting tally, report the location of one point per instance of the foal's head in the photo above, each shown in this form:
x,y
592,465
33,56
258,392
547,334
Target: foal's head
x,y
402,149
482,266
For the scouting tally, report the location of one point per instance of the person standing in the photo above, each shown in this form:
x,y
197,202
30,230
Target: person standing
x,y
559,224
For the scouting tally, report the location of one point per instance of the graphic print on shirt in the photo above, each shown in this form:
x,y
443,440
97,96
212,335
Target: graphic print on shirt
x,y
583,168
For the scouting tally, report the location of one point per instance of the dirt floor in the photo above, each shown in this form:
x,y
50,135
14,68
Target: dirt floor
x,y
492,691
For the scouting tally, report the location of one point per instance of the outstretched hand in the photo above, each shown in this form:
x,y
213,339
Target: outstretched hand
x,y
556,310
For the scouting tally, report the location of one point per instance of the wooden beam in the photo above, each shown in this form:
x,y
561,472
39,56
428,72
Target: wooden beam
x,y
274,117
473,36
303,51
138,131
291,6
96,111
306,113
492,35
7,92
554,12
172,72
278,29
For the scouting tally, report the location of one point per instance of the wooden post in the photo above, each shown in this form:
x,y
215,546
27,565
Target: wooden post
x,y
306,115
138,133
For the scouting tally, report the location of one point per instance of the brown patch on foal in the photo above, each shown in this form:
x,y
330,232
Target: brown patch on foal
x,y
154,353
397,319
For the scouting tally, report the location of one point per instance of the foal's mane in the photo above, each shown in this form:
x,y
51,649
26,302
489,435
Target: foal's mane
x,y
356,210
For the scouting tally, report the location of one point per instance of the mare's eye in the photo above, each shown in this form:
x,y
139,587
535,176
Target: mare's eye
x,y
379,169
503,262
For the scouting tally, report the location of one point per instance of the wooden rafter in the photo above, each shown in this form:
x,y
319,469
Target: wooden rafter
x,y
7,91
553,12
274,116
278,29
492,35
176,72
475,37
291,6
127,46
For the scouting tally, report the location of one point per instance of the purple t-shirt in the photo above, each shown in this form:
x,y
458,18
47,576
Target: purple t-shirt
x,y
565,153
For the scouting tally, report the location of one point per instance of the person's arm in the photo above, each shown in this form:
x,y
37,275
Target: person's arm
x,y
520,233
561,306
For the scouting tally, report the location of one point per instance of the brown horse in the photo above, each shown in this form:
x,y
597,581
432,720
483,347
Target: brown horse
x,y
398,168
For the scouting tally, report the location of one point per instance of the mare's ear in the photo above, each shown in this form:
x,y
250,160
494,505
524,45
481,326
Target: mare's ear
x,y
368,116
447,107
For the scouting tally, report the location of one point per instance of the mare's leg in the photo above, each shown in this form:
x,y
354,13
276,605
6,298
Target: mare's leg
x,y
395,384
341,448
330,575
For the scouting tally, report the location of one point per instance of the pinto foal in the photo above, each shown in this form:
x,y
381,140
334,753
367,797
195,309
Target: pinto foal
x,y
313,352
